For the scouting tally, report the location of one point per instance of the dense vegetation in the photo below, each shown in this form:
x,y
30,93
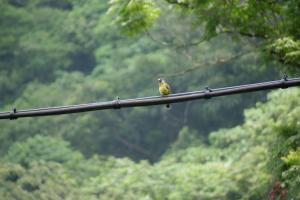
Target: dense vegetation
x,y
67,52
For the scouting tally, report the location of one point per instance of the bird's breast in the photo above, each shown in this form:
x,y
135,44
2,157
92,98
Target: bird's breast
x,y
163,90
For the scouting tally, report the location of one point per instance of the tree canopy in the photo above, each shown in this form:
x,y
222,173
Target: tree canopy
x,y
55,53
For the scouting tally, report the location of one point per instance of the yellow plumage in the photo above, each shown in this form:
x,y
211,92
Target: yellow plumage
x,y
164,88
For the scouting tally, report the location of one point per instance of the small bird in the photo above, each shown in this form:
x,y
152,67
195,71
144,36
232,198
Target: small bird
x,y
164,88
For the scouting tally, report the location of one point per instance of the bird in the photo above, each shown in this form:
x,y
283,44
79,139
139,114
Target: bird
x,y
164,88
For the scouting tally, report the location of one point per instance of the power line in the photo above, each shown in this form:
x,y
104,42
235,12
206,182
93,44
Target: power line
x,y
152,100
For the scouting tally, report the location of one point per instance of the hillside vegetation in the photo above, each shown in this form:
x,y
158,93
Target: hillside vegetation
x,y
65,52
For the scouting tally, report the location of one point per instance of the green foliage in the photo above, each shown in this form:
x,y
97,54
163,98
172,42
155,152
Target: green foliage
x,y
292,11
77,56
28,44
287,49
41,148
41,180
268,21
291,174
92,132
68,52
293,158
236,168
133,16
292,180
235,164
186,138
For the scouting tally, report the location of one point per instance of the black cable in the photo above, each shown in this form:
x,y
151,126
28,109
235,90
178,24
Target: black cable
x,y
153,100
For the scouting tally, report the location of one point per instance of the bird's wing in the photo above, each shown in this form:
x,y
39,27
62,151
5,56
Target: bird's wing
x,y
168,87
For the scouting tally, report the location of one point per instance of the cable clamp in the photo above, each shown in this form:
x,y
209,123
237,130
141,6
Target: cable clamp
x,y
283,81
12,115
117,104
207,92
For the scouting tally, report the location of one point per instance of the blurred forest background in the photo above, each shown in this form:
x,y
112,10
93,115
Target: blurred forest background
x,y
61,52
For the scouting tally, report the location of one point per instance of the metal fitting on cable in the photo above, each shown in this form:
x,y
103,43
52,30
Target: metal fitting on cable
x,y
283,81
13,114
207,92
116,103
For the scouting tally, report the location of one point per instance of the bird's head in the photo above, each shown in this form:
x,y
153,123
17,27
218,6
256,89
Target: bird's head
x,y
160,80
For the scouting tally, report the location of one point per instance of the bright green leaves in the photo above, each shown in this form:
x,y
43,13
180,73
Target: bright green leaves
x,y
293,158
134,16
286,50
291,175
